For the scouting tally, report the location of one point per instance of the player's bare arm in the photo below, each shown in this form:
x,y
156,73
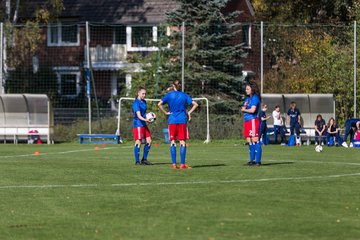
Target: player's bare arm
x,y
161,107
194,106
138,114
251,110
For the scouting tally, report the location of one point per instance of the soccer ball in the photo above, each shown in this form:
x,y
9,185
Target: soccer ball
x,y
151,116
318,148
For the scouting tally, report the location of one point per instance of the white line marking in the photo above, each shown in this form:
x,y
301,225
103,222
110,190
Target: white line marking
x,y
65,152
180,183
305,161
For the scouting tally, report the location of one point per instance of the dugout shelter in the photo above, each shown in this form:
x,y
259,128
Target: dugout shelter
x,y
25,115
309,105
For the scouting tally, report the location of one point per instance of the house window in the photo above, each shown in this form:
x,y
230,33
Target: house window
x,y
142,37
120,35
69,84
63,35
246,29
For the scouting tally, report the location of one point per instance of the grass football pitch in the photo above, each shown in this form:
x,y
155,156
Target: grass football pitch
x,y
73,191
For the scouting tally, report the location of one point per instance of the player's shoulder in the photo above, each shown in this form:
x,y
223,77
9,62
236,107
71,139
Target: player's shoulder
x,y
256,98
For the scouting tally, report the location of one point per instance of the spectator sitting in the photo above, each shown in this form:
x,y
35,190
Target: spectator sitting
x,y
357,133
333,132
320,129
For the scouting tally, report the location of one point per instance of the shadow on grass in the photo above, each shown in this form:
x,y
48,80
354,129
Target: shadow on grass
x,y
162,163
273,163
208,165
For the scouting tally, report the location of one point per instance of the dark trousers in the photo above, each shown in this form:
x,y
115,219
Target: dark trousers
x,y
322,138
295,126
334,135
263,131
279,129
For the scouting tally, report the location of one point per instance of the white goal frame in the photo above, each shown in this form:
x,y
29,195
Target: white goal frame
x,y
207,140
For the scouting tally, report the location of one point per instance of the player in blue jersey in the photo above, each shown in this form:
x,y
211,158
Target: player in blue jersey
x,y
140,128
177,102
294,119
251,109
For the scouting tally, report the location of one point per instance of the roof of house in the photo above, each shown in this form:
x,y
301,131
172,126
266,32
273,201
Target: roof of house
x,y
122,11
113,11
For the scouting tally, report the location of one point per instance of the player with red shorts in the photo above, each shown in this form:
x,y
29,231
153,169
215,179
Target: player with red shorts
x,y
140,129
177,102
252,123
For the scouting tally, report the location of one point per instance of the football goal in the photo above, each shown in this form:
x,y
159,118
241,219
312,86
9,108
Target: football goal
x,y
199,128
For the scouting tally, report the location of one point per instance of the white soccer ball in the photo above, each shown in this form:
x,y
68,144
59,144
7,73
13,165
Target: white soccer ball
x,y
318,148
151,116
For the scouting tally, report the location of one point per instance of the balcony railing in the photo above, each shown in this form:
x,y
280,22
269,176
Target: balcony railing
x,y
114,53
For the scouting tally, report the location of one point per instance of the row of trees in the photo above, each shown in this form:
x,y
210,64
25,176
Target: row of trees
x,y
312,49
309,48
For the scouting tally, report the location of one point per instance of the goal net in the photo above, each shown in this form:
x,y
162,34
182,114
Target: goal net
x,y
199,127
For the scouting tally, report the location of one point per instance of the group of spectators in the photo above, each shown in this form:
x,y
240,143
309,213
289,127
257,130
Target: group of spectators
x,y
293,119
325,133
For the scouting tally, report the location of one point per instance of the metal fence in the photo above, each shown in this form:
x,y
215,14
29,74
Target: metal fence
x,y
85,68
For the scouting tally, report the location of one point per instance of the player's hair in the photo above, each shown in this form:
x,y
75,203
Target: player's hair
x,y
277,106
139,89
264,105
292,103
176,85
334,122
254,88
319,116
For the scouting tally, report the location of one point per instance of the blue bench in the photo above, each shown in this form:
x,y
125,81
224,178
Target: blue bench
x,y
99,138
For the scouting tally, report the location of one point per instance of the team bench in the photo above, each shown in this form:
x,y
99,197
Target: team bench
x,y
307,134
99,138
25,133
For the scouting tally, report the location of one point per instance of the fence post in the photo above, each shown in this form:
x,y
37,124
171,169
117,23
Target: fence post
x,y
1,58
354,69
262,57
88,77
183,57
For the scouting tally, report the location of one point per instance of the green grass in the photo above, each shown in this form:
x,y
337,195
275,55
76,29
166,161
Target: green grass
x,y
73,191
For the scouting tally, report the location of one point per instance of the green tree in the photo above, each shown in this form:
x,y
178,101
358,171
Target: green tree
x,y
310,48
22,40
305,11
212,54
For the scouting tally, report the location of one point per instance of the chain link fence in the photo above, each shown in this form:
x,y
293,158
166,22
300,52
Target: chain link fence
x,y
85,68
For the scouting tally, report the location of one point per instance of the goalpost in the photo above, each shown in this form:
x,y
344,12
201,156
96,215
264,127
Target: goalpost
x,y
122,99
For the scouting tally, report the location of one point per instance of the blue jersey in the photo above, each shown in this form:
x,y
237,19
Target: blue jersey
x,y
252,101
293,114
139,106
177,102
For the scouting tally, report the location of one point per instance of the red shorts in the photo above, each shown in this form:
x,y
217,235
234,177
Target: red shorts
x,y
251,128
141,133
178,132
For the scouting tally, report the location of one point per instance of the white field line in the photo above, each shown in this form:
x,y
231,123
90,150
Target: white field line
x,y
304,178
64,152
318,162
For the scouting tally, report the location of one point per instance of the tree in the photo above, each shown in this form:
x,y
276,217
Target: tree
x,y
310,47
21,42
212,54
305,11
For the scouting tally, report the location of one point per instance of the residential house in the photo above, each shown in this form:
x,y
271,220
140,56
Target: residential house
x,y
116,28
